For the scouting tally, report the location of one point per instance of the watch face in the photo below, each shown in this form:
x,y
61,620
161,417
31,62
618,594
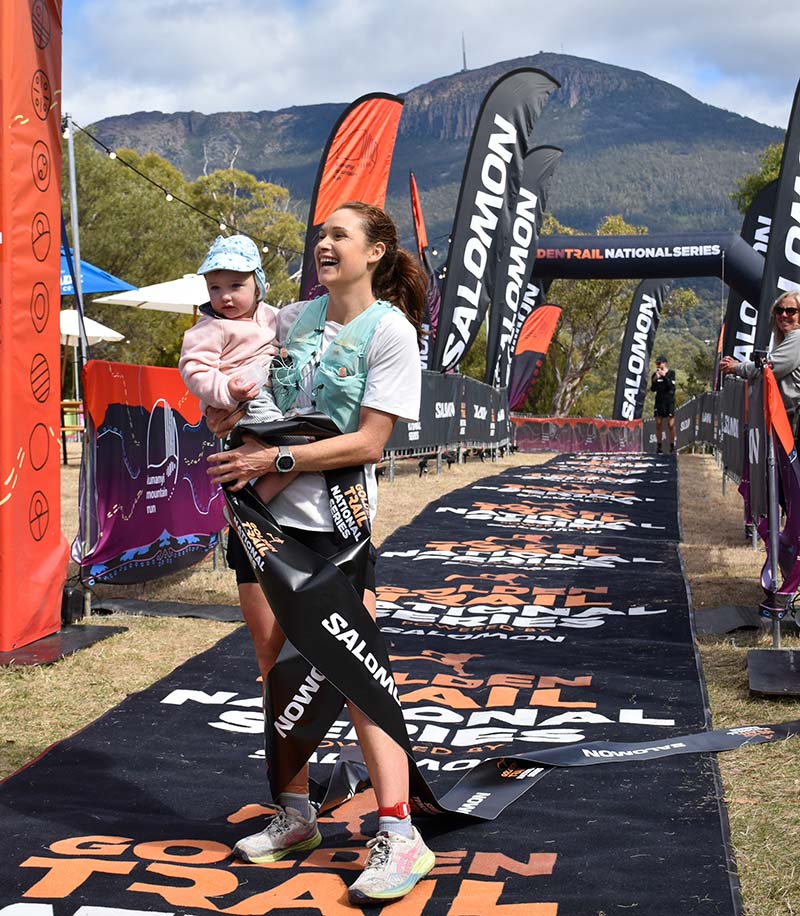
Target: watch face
x,y
284,461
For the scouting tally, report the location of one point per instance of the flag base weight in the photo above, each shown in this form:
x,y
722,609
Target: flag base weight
x,y
774,672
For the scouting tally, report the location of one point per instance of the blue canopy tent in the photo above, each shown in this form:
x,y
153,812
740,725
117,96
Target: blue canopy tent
x,y
93,279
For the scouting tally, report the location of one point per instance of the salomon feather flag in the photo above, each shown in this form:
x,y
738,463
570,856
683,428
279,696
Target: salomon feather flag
x,y
518,259
433,298
532,346
741,317
782,265
354,166
637,345
484,213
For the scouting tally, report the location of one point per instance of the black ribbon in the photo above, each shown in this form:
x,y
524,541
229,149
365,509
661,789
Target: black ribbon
x,y
335,652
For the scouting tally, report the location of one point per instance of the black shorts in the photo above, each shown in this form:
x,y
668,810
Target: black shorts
x,y
664,410
320,541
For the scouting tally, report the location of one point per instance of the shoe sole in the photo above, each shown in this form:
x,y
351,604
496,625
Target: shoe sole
x,y
303,846
425,864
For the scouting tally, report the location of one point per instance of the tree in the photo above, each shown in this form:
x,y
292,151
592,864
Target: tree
x,y
752,183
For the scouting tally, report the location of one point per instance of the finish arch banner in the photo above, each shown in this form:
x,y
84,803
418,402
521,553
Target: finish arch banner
x,y
354,166
485,210
33,551
637,345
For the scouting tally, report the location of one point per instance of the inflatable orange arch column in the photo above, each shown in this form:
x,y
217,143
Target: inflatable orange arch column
x,y
33,551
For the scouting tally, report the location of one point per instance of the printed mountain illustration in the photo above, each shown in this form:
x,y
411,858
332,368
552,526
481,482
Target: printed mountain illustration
x,y
632,144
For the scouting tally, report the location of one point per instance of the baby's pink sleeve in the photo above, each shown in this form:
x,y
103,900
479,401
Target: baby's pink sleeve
x,y
199,365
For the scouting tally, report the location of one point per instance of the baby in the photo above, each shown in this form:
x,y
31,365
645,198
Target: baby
x,y
225,357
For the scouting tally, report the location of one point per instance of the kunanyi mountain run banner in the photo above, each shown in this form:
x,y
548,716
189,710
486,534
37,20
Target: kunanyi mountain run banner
x,y
531,348
741,318
354,166
577,434
434,300
485,211
782,266
516,266
33,551
154,510
633,257
539,637
637,345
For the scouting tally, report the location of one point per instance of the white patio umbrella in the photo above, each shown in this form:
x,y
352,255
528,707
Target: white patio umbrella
x,y
70,337
183,295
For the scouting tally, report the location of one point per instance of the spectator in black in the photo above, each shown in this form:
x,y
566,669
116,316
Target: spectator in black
x,y
663,383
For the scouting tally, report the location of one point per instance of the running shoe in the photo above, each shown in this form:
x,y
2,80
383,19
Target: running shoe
x,y
394,865
286,833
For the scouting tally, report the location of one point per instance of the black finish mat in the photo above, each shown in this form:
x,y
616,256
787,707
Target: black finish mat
x,y
226,613
529,620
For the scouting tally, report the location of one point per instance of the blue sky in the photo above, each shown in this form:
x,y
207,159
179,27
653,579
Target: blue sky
x,y
122,56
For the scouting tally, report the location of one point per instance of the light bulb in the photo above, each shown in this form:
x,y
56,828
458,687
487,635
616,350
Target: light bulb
x,y
169,197
222,226
265,248
112,154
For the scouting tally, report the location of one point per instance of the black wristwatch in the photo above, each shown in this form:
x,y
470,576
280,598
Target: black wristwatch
x,y
284,462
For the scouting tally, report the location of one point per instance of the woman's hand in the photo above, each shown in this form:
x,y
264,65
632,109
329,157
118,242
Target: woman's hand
x,y
728,365
237,467
221,421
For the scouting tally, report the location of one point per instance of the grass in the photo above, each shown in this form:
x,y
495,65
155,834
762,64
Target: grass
x,y
39,706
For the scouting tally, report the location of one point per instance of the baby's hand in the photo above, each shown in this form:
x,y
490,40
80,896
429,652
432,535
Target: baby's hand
x,y
242,389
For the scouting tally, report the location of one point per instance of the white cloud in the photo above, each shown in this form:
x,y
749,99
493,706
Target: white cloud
x,y
217,55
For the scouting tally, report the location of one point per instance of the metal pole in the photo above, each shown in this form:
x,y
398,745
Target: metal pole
x,y
88,488
439,461
391,468
774,525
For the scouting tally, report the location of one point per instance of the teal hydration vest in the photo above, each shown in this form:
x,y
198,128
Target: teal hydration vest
x,y
340,374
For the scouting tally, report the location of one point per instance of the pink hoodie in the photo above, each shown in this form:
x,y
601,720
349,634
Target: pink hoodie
x,y
216,349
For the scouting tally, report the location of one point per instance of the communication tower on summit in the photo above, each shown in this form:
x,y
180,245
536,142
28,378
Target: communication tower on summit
x,y
463,53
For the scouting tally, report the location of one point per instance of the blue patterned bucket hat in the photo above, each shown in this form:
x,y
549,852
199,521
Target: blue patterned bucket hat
x,y
236,252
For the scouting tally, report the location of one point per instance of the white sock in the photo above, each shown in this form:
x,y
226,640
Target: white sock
x,y
399,825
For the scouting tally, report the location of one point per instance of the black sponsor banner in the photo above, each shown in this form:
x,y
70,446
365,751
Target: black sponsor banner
x,y
500,420
637,345
731,432
477,410
649,435
433,297
571,434
741,317
633,257
485,210
516,265
686,424
707,426
782,264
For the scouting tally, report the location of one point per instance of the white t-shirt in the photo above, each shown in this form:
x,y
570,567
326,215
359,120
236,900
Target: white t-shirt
x,y
393,386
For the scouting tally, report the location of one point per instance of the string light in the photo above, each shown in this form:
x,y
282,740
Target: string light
x,y
169,196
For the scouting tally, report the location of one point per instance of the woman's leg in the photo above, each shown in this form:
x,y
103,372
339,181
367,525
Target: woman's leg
x,y
386,761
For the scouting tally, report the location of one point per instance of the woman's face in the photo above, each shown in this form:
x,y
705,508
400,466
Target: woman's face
x,y
343,253
787,315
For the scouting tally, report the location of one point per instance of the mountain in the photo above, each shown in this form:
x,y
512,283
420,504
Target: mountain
x,y
632,144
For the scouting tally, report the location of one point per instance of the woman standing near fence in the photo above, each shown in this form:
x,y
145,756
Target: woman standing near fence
x,y
372,313
784,355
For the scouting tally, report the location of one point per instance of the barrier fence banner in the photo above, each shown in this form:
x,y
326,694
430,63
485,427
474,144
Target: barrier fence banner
x,y
732,427
454,410
707,426
354,166
637,345
33,550
686,424
574,434
154,509
485,209
782,264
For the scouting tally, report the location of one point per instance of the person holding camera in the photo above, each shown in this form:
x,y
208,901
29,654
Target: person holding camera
x,y
784,355
663,383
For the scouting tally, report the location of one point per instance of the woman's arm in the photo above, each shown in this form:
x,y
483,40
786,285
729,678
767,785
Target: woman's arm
x,y
254,458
